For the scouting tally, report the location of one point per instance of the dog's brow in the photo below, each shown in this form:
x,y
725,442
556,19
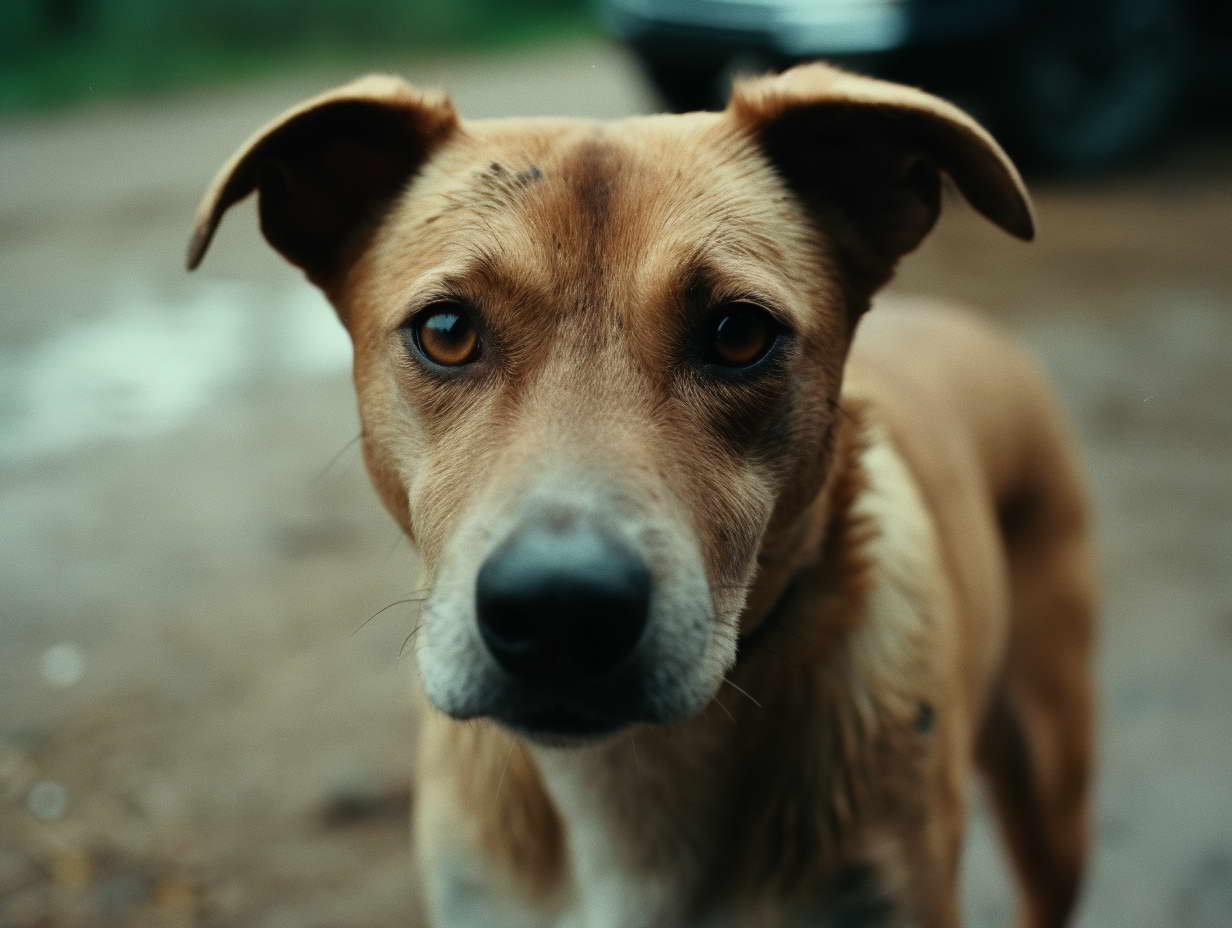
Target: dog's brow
x,y
715,273
480,270
485,263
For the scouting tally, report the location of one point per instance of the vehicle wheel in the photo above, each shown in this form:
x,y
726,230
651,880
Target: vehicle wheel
x,y
684,85
1096,81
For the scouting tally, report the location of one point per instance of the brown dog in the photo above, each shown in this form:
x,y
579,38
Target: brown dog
x,y
609,387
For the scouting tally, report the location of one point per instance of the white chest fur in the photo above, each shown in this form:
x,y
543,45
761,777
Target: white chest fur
x,y
601,890
609,886
604,883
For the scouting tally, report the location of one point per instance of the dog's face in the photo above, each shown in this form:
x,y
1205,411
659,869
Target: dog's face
x,y
598,365
588,370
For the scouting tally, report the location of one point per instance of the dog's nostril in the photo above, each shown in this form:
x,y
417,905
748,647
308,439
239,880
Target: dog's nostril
x,y
562,600
509,626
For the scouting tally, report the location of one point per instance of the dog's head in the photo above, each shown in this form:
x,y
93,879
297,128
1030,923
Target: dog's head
x,y
598,365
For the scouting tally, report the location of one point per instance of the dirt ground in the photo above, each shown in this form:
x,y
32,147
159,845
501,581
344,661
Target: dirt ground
x,y
195,729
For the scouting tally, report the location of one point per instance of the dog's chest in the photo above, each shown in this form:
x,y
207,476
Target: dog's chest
x,y
601,892
619,898
610,885
602,884
607,895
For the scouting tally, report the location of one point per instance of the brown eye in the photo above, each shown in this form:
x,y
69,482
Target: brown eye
x,y
445,335
740,335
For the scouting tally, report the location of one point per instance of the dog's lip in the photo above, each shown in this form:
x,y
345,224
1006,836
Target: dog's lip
x,y
561,722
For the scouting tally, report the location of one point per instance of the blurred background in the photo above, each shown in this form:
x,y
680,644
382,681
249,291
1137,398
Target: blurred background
x,y
197,724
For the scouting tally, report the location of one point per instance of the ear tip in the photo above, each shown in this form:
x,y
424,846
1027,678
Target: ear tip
x,y
196,247
1022,226
384,87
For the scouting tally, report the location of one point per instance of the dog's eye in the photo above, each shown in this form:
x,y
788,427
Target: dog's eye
x,y
740,335
445,334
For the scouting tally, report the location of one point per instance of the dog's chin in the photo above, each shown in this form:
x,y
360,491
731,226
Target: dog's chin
x,y
583,713
562,728
572,723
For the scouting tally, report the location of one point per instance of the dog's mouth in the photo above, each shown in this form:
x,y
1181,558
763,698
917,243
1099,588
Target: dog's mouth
x,y
561,725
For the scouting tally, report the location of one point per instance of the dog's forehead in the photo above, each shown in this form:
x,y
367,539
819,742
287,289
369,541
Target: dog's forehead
x,y
587,211
630,189
596,171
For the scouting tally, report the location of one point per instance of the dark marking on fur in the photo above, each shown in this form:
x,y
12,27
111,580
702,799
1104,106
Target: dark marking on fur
x,y
594,164
528,176
496,186
754,418
594,170
590,174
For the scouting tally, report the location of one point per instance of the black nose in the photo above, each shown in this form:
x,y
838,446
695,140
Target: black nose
x,y
560,600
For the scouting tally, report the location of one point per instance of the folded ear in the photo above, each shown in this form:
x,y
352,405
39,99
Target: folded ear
x,y
870,153
326,169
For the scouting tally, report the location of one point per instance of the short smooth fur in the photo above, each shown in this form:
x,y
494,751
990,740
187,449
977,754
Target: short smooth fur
x,y
871,560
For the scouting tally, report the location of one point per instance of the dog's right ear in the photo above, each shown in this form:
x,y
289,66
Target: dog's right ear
x,y
326,169
866,157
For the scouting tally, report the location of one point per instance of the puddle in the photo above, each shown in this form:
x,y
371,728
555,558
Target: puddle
x,y
145,366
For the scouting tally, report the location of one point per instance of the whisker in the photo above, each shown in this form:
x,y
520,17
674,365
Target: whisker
x,y
334,460
407,639
396,602
742,691
504,769
726,711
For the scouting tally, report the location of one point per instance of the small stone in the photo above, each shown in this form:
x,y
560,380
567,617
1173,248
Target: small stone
x,y
47,800
63,665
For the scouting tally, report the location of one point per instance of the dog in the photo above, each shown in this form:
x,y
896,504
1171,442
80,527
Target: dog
x,y
732,583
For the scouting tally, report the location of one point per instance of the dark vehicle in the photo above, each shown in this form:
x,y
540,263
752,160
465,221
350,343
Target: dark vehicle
x,y
1070,84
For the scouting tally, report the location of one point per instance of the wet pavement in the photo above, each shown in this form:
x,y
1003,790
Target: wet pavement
x,y
195,729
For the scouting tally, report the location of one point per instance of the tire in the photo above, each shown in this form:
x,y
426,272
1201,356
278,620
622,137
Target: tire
x,y
1095,82
684,84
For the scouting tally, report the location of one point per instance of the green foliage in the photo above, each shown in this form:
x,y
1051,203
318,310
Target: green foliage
x,y
59,51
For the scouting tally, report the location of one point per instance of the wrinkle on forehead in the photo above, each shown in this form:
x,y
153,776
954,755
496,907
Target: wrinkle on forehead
x,y
493,188
613,218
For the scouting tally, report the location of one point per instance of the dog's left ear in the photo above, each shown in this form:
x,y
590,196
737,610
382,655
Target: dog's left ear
x,y
326,169
869,154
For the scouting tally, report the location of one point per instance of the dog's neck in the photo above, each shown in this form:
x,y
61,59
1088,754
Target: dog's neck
x,y
808,536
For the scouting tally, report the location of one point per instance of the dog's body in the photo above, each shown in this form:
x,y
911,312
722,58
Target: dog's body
x,y
748,597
